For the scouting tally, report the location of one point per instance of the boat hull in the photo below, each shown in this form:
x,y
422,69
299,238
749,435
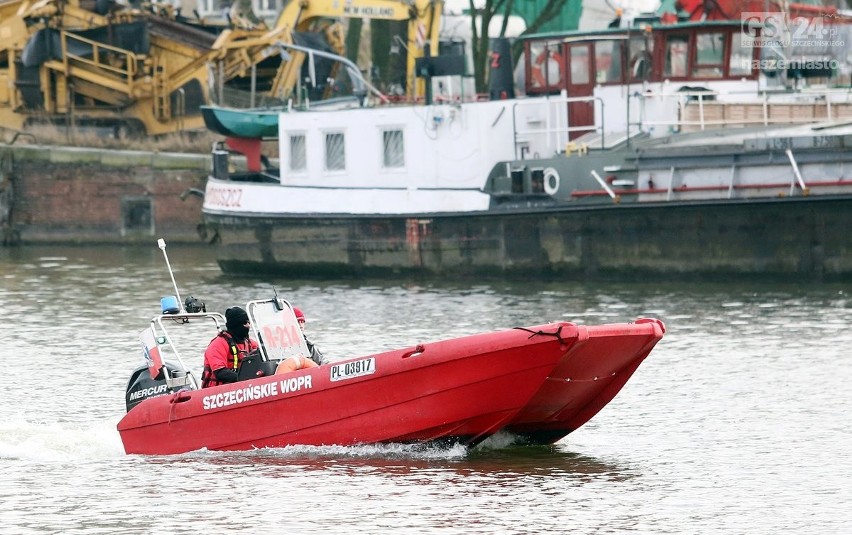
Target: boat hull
x,y
799,238
601,361
461,390
241,123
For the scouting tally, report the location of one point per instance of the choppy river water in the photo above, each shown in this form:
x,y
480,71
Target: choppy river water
x,y
738,422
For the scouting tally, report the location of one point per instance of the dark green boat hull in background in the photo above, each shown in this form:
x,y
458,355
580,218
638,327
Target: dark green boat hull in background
x,y
797,238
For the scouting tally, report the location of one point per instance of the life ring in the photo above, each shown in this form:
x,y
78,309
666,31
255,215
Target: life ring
x,y
549,59
551,181
291,364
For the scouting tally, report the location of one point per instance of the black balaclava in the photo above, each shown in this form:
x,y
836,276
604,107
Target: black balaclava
x,y
235,321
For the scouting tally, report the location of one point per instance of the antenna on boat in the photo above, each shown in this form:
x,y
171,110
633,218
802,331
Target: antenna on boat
x,y
278,304
161,243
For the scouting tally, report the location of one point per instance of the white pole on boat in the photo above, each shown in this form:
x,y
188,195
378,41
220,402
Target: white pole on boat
x,y
161,243
797,175
605,186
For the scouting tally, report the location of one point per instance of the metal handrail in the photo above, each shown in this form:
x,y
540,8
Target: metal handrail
x,y
763,98
130,62
183,317
557,124
557,135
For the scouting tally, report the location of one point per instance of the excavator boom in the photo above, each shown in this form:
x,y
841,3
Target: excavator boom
x,y
423,16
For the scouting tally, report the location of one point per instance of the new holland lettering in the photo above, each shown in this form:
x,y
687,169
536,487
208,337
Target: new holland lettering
x,y
368,11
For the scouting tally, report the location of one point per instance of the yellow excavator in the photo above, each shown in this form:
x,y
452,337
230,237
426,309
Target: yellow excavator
x,y
148,71
424,24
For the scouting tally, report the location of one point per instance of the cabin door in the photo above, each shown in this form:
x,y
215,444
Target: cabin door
x,y
581,82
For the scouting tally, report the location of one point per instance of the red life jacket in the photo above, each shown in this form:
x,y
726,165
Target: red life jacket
x,y
208,378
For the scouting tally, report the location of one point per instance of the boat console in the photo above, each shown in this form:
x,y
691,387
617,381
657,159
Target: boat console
x,y
190,328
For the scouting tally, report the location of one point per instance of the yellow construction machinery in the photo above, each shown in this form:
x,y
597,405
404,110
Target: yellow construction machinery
x,y
146,70
66,62
424,24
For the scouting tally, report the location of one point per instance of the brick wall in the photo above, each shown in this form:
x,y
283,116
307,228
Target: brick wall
x,y
71,195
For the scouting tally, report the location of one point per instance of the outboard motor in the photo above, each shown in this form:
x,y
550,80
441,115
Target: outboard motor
x,y
141,386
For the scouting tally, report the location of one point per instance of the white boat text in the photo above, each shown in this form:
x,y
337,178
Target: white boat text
x,y
255,392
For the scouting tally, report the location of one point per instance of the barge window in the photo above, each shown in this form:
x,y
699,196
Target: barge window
x,y
220,8
298,153
266,8
545,66
709,55
608,61
393,144
335,152
677,47
741,56
579,65
641,52
206,7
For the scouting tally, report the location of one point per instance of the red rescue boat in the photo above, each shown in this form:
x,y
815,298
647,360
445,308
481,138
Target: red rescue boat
x,y
539,383
535,381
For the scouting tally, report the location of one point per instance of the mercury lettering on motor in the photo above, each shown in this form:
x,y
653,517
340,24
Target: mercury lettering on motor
x,y
148,392
353,369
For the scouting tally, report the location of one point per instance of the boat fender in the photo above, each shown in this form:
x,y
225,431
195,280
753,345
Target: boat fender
x,y
551,181
296,362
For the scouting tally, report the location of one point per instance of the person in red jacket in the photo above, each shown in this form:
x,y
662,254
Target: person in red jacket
x,y
225,352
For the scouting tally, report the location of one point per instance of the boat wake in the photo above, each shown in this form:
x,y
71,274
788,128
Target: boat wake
x,y
388,451
53,441
56,441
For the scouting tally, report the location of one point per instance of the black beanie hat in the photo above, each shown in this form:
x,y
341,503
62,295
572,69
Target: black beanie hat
x,y
235,317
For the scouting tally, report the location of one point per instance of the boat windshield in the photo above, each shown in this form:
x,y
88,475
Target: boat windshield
x,y
276,329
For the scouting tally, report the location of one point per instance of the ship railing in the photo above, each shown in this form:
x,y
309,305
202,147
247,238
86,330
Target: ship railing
x,y
705,109
196,338
542,126
675,188
730,191
797,183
